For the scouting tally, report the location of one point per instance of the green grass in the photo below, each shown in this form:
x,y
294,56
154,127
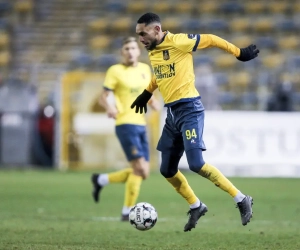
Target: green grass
x,y
54,210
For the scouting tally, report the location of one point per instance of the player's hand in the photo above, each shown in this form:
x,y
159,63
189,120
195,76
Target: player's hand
x,y
140,103
112,112
248,53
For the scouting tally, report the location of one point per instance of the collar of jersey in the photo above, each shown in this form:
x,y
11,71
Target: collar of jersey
x,y
162,40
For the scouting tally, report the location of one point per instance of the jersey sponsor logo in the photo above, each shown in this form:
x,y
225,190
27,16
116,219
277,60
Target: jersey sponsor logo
x,y
164,71
166,55
192,36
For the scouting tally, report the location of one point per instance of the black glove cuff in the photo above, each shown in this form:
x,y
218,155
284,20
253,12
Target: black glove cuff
x,y
147,95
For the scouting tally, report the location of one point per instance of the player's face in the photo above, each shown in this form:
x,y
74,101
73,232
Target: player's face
x,y
148,35
130,52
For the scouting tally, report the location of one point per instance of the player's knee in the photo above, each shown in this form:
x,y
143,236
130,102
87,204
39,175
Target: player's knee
x,y
141,168
195,160
167,172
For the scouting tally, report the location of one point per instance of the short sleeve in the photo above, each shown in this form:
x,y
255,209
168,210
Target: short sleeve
x,y
111,80
186,42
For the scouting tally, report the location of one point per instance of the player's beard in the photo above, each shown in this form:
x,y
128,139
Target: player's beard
x,y
153,45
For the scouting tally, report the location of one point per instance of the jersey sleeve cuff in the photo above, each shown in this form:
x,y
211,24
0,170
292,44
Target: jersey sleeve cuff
x,y
197,42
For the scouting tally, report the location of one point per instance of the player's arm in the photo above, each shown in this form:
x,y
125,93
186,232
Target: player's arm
x,y
154,103
140,103
244,54
110,108
110,83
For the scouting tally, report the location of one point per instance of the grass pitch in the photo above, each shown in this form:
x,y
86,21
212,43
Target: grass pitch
x,y
54,210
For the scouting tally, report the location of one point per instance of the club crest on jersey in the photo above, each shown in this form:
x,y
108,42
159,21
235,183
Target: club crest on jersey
x,y
166,55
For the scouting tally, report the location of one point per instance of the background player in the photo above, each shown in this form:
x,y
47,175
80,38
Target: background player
x,y
172,62
126,81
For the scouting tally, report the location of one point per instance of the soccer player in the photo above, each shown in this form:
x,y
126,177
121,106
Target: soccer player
x,y
125,81
172,63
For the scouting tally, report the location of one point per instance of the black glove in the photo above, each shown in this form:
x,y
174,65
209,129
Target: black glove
x,y
141,101
248,53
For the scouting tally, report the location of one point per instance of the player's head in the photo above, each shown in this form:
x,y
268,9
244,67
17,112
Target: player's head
x,y
130,50
149,30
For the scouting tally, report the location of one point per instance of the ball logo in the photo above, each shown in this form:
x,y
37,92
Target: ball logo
x,y
138,214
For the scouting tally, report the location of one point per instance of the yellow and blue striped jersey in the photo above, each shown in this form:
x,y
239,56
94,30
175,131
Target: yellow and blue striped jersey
x,y
172,64
127,82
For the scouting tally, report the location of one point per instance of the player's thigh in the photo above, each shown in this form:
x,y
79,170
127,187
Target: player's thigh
x,y
170,139
192,131
130,141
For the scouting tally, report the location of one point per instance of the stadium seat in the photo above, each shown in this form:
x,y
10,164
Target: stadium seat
x,y
116,42
4,40
121,24
226,97
225,61
83,60
98,25
161,7
296,7
99,42
266,42
240,24
242,41
279,7
137,7
273,61
255,7
5,7
184,7
193,25
202,59
106,60
288,42
232,7
172,24
239,80
5,58
216,25
208,7
286,25
23,6
115,6
222,79
263,25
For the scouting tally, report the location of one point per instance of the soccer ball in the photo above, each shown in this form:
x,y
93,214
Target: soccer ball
x,y
143,216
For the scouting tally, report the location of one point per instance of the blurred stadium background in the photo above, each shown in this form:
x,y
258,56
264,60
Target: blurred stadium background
x,y
53,59
54,55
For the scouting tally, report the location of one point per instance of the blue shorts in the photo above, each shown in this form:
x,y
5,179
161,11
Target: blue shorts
x,y
183,129
133,139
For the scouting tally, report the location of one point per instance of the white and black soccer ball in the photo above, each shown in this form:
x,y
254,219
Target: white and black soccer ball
x,y
143,216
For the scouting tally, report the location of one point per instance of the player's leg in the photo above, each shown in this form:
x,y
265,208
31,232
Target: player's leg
x,y
171,146
192,131
138,154
126,138
208,171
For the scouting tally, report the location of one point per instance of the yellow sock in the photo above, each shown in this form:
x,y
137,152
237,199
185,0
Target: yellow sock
x,y
214,175
181,185
132,189
119,176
